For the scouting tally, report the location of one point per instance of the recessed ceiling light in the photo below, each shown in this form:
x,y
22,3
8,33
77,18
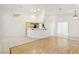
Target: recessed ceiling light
x,y
60,8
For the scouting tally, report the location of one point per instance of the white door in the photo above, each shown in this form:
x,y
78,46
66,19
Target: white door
x,y
62,31
62,28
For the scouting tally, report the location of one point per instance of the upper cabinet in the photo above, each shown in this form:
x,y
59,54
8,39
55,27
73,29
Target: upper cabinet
x,y
34,25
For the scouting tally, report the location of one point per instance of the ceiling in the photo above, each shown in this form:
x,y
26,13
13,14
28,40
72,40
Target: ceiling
x,y
49,8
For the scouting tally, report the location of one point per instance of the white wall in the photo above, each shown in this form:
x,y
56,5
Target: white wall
x,y
50,24
73,24
0,25
74,29
12,25
10,29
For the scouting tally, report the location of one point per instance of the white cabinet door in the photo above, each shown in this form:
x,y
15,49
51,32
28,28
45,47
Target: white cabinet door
x,y
37,33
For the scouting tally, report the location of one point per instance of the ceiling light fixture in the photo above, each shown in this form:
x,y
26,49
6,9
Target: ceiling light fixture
x,y
75,15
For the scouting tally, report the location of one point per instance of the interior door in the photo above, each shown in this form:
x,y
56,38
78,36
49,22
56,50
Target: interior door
x,y
62,28
62,31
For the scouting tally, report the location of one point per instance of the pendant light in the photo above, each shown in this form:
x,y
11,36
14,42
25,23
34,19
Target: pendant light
x,y
75,15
